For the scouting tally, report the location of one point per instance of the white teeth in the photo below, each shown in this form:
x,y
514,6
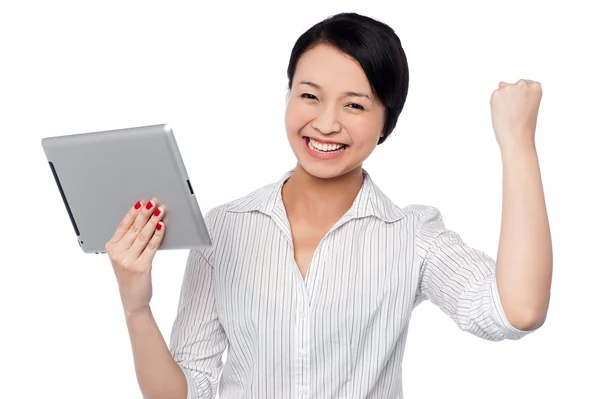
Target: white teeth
x,y
315,145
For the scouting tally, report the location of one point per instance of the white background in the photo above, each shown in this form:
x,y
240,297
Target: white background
x,y
217,73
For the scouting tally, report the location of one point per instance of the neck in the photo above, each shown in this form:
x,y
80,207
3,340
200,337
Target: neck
x,y
323,200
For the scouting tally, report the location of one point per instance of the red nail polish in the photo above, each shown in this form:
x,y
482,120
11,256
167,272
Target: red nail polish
x,y
157,212
138,205
159,226
149,205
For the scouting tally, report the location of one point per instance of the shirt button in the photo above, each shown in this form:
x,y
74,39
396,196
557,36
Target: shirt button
x,y
302,354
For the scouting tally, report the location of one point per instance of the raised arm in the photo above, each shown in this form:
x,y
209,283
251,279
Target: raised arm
x,y
508,298
524,259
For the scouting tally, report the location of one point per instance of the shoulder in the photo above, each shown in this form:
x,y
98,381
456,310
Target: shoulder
x,y
429,229
425,221
423,214
415,215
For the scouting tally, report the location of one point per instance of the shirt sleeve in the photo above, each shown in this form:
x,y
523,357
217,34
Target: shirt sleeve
x,y
198,340
460,280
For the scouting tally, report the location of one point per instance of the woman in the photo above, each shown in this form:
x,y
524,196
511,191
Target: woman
x,y
311,281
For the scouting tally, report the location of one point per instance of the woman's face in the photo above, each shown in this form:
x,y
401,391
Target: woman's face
x,y
333,120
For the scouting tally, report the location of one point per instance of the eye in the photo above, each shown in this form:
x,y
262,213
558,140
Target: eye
x,y
356,106
308,96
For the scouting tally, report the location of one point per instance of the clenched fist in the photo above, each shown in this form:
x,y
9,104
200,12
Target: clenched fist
x,y
514,108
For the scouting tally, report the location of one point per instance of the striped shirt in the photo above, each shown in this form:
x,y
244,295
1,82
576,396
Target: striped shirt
x,y
339,333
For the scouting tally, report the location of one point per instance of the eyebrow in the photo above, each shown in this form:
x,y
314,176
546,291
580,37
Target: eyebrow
x,y
348,93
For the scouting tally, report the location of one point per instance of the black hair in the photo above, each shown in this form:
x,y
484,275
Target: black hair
x,y
377,49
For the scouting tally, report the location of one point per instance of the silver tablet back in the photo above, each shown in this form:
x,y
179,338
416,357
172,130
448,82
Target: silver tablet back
x,y
101,175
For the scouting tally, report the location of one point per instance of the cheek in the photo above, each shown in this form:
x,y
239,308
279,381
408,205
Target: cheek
x,y
365,133
297,116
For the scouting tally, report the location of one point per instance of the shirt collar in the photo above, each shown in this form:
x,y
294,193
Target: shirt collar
x,y
370,201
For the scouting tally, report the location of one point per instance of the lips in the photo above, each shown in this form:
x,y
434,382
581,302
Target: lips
x,y
322,141
324,151
324,146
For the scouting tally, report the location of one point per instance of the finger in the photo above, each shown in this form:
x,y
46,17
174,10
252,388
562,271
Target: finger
x,y
126,222
138,224
534,83
147,232
154,243
522,82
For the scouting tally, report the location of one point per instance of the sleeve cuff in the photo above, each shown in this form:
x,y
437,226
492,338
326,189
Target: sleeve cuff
x,y
500,318
192,393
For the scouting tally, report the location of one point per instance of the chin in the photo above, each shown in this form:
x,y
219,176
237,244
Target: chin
x,y
323,171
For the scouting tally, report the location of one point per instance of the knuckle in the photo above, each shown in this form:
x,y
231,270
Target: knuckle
x,y
152,245
118,260
141,268
143,237
110,250
126,263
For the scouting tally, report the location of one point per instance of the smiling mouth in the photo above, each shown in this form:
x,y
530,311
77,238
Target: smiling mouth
x,y
325,148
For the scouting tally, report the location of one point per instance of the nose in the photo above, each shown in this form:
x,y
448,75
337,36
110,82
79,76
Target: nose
x,y
326,121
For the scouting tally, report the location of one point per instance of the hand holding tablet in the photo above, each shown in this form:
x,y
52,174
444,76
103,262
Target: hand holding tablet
x,y
101,175
131,251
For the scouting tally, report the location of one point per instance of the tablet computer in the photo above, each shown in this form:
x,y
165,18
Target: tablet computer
x,y
101,175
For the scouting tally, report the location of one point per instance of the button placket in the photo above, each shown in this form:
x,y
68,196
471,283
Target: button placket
x,y
303,348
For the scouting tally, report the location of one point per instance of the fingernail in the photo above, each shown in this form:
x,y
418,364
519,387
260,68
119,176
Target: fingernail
x,y
138,205
149,205
157,212
159,226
